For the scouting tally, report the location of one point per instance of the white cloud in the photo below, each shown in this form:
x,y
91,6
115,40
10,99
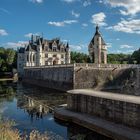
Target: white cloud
x,y
30,34
76,47
127,26
62,23
75,14
70,1
36,1
125,46
86,3
129,7
130,51
84,24
109,45
3,32
117,39
99,19
15,44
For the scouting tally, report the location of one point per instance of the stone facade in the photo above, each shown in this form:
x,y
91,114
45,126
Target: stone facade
x,y
41,52
97,48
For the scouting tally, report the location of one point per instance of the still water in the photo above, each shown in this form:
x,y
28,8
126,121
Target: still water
x,y
32,109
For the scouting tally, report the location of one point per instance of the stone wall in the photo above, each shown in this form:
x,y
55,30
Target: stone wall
x,y
60,78
116,78
120,78
123,109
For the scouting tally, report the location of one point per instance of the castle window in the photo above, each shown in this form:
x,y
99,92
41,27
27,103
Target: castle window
x,y
30,58
62,56
54,55
54,48
46,55
27,58
33,58
62,62
62,49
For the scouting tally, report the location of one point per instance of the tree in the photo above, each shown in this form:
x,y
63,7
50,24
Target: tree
x,y
77,57
7,59
136,56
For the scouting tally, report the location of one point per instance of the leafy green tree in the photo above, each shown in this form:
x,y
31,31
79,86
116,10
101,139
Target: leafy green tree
x,y
7,59
77,57
136,56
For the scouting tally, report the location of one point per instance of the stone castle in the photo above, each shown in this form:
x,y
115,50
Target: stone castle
x,y
42,52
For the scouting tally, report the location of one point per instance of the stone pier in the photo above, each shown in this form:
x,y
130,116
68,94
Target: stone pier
x,y
110,114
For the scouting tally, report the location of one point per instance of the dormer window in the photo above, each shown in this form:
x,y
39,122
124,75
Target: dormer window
x,y
62,49
54,48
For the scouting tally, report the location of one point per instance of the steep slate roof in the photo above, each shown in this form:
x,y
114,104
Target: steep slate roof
x,y
32,46
97,33
21,50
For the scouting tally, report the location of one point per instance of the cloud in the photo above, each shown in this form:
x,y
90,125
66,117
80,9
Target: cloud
x,y
4,10
70,1
30,34
15,44
75,14
84,24
76,47
99,19
127,26
62,23
86,3
3,32
36,1
129,7
109,45
125,46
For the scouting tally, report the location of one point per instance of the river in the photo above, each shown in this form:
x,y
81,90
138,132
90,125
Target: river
x,y
32,107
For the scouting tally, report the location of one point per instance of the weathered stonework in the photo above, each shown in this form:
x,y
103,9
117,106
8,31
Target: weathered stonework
x,y
122,109
121,78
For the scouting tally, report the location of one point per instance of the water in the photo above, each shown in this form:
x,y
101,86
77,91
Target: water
x,y
32,109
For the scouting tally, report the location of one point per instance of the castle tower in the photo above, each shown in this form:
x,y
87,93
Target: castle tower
x,y
97,48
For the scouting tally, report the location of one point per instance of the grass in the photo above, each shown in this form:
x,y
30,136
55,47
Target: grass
x,y
8,133
6,79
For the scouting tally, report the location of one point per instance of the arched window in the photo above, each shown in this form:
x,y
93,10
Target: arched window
x,y
27,58
33,57
102,57
30,57
93,58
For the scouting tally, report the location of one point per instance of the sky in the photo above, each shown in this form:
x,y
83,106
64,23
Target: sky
x,y
72,21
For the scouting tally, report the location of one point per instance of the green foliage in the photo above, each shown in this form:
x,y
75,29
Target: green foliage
x,y
118,58
136,56
77,57
8,59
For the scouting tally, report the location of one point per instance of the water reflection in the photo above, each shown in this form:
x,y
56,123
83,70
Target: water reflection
x,y
32,108
35,109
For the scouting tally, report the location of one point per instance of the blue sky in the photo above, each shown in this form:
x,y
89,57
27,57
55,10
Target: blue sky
x,y
73,21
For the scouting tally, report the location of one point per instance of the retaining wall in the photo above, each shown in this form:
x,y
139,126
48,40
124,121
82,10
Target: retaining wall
x,y
123,109
120,78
